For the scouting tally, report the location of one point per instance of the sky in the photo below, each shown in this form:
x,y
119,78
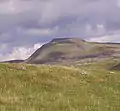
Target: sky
x,y
25,25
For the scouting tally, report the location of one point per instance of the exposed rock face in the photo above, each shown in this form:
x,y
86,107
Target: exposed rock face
x,y
72,49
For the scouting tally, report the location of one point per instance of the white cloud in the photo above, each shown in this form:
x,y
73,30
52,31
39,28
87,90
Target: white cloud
x,y
98,29
118,3
19,52
8,7
42,31
106,38
16,6
3,47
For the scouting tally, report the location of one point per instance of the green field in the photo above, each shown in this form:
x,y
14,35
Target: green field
x,y
89,87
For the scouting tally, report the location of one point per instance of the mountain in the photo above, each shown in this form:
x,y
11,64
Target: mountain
x,y
66,50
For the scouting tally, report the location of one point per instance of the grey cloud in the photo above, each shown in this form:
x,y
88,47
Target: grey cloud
x,y
21,20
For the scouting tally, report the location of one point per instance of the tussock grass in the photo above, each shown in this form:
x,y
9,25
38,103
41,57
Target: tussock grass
x,y
58,88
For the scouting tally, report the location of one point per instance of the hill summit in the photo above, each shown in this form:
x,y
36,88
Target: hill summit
x,y
67,39
72,49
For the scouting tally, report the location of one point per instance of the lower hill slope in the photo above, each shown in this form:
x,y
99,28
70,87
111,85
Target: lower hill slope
x,y
90,87
116,67
66,50
13,61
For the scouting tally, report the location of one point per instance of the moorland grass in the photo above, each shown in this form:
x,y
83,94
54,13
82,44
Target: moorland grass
x,y
58,88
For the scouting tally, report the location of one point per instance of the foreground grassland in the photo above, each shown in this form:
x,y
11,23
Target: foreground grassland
x,y
58,88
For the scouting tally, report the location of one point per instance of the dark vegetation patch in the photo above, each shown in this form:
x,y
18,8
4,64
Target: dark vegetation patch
x,y
13,61
115,67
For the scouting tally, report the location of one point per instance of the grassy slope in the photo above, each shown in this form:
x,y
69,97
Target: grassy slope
x,y
72,50
58,88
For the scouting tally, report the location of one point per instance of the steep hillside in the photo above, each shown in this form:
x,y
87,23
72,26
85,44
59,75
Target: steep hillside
x,y
71,49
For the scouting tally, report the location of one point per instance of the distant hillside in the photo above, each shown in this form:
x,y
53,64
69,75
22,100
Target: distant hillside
x,y
72,49
13,61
